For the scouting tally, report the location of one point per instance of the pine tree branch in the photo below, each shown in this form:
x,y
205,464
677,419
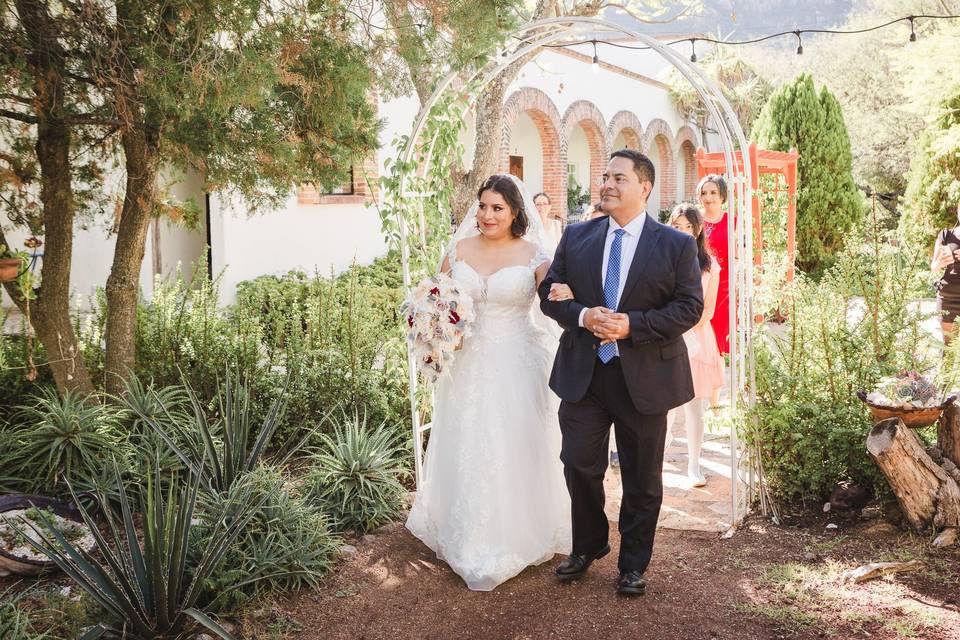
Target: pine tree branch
x,y
93,119
16,98
16,115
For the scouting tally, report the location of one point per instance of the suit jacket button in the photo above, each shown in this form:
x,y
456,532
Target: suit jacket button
x,y
594,347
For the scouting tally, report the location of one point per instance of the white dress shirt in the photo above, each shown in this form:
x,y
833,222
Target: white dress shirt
x,y
628,248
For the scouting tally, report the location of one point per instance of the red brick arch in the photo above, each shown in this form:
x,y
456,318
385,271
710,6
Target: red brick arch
x,y
586,114
659,133
686,142
545,115
627,123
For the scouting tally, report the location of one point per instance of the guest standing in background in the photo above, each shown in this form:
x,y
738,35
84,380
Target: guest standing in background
x,y
712,192
552,223
946,252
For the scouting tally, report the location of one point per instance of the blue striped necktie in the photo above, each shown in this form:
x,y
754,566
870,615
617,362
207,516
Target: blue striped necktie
x,y
611,286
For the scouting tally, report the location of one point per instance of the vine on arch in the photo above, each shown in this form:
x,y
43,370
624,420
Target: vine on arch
x,y
419,191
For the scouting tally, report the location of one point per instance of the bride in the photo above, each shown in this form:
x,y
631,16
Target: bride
x,y
493,500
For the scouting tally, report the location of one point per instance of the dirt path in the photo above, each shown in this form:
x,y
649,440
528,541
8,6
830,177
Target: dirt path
x,y
766,582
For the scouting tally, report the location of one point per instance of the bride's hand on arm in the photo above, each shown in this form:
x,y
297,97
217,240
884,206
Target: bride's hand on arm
x,y
560,292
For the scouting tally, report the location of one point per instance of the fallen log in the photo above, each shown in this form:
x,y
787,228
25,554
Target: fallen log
x,y
928,495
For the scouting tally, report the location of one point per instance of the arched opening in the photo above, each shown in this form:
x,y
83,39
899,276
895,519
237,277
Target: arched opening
x,y
687,172
586,149
664,189
531,140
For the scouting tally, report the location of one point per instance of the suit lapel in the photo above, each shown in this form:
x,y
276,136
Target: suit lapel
x,y
649,238
594,244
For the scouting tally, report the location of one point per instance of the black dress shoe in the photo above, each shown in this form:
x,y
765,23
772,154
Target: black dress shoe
x,y
576,565
631,583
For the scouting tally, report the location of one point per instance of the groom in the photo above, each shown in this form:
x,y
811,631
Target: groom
x,y
621,361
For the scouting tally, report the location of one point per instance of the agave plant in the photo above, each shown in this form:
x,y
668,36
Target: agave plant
x,y
223,453
286,545
63,437
355,475
167,407
150,591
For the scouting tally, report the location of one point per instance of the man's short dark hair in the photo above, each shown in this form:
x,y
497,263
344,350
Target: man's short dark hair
x,y
642,165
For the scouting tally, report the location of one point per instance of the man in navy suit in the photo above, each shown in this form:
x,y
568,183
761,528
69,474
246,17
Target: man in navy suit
x,y
621,361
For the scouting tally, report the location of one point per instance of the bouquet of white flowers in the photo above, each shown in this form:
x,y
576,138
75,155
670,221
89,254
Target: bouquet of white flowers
x,y
438,315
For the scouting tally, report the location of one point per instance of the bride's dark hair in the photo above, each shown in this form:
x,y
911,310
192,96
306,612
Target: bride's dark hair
x,y
499,183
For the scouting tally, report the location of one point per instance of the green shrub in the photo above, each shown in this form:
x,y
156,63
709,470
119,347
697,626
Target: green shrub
x,y
339,339
182,333
286,545
15,386
355,476
857,325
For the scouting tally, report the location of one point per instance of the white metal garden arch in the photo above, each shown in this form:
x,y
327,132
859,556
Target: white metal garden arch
x,y
573,29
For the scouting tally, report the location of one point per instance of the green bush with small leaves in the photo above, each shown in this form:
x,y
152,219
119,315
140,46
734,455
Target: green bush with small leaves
x,y
845,333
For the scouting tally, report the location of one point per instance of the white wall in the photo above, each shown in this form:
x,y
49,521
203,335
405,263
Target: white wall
x,y
94,243
525,142
578,154
310,238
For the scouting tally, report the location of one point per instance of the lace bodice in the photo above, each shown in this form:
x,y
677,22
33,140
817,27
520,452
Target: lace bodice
x,y
507,293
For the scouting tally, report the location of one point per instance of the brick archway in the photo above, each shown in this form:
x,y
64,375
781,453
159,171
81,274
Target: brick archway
x,y
686,143
659,137
586,114
540,108
628,124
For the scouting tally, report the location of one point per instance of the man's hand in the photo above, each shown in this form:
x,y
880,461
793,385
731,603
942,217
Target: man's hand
x,y
606,324
613,326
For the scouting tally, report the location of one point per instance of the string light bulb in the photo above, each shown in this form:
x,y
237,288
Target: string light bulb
x,y
595,65
693,49
799,43
913,34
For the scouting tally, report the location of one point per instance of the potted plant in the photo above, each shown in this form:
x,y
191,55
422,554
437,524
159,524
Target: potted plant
x,y
11,264
908,396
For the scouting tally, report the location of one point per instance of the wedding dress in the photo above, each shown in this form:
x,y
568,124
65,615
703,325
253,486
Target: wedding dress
x,y
493,500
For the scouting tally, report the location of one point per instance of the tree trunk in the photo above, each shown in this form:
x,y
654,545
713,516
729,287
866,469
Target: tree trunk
x,y
928,495
140,152
489,125
948,433
50,311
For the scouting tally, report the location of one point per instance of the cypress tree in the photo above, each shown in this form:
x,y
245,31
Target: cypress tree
x,y
933,184
828,202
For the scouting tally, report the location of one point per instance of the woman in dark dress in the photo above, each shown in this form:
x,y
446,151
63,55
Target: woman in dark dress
x,y
946,254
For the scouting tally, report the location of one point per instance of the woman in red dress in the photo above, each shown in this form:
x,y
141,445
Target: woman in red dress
x,y
712,191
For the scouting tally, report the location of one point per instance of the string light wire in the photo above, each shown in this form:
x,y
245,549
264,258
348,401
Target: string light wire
x,y
798,33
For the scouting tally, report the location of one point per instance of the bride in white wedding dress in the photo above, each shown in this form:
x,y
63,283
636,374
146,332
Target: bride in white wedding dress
x,y
493,500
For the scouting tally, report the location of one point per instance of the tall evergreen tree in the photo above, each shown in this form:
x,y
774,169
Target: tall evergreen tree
x,y
933,187
828,202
